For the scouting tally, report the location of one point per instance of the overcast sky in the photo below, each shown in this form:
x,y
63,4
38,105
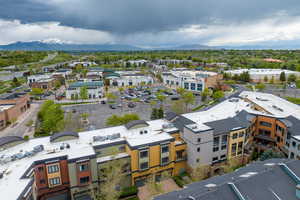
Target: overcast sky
x,y
152,22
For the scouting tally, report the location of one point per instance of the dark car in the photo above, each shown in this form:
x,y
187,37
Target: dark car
x,y
131,105
103,102
113,106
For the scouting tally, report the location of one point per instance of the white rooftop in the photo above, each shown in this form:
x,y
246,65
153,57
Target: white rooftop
x,y
262,71
5,107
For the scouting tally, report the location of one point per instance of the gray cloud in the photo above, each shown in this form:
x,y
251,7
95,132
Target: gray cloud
x,y
132,16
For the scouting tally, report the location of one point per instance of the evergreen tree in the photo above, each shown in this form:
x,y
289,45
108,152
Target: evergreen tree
x,y
282,77
154,114
160,113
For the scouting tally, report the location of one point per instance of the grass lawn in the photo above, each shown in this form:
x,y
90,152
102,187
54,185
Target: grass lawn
x,y
293,100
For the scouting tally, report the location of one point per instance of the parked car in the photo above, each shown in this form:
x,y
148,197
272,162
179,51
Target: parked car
x,y
131,105
103,102
112,106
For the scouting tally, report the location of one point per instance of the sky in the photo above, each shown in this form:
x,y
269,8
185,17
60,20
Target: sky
x,y
152,23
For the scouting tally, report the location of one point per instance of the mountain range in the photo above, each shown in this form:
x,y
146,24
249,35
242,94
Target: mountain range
x,y
58,46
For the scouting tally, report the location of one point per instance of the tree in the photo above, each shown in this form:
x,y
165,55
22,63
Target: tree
x,y
292,78
83,93
178,106
180,90
188,98
111,97
217,95
260,86
116,120
160,113
272,80
282,77
154,114
268,154
205,94
15,82
245,77
266,79
37,91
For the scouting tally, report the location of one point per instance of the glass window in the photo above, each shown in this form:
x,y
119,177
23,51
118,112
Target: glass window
x,y
53,169
233,148
241,134
186,86
215,149
179,154
193,86
165,149
215,159
199,87
224,139
223,147
84,180
198,149
267,124
165,160
54,181
143,154
199,140
216,141
144,165
83,167
234,136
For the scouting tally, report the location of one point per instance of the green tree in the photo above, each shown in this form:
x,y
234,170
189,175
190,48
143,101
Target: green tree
x,y
116,120
188,98
292,78
268,154
178,106
15,82
260,86
37,91
217,95
160,113
83,93
266,79
154,114
205,94
282,77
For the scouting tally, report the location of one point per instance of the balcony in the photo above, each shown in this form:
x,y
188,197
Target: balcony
x,y
264,138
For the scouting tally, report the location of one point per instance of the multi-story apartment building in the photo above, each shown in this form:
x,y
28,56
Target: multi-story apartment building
x,y
94,89
192,80
72,164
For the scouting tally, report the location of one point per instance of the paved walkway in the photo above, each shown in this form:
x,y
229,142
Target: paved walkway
x,y
19,128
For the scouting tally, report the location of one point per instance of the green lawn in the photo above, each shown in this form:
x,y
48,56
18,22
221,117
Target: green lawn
x,y
293,100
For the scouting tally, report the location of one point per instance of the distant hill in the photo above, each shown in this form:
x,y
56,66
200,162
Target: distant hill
x,y
58,46
43,46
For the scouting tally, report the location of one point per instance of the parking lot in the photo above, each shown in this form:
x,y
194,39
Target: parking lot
x,y
98,112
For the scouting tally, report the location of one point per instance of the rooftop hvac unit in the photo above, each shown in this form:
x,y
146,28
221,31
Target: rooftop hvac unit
x,y
68,146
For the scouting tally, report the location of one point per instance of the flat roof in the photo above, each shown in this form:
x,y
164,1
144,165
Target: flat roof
x,y
5,107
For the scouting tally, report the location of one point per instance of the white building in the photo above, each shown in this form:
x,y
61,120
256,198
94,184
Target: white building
x,y
258,75
62,72
84,64
129,78
94,89
136,62
38,77
188,79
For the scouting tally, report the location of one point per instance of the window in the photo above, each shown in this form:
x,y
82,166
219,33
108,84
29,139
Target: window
x,y
144,154
54,181
292,156
179,155
199,87
240,147
165,149
234,136
223,157
144,165
84,180
42,181
186,86
40,169
267,124
193,86
241,134
83,167
224,139
215,159
216,141
264,132
197,160
223,147
198,149
233,149
294,144
165,160
215,149
122,148
53,168
199,140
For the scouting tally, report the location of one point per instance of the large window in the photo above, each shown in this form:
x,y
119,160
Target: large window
x,y
165,160
199,87
179,155
144,165
267,124
186,86
240,148
83,167
193,86
84,180
264,132
233,149
54,181
144,154
53,168
234,136
165,149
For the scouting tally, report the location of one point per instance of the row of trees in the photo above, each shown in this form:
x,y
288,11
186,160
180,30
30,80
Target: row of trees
x,y
116,120
157,113
51,118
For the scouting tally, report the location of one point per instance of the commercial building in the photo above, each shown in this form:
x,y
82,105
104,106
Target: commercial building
x,y
272,179
12,105
129,78
192,80
71,164
94,89
262,75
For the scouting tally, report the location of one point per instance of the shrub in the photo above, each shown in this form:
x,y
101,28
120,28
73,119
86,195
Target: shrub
x,y
129,191
26,137
178,180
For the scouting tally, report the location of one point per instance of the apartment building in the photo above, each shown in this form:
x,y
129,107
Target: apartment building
x,y
94,89
272,179
12,105
259,75
129,78
192,80
73,164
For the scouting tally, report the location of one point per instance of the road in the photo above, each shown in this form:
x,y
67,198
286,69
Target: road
x,y
20,128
